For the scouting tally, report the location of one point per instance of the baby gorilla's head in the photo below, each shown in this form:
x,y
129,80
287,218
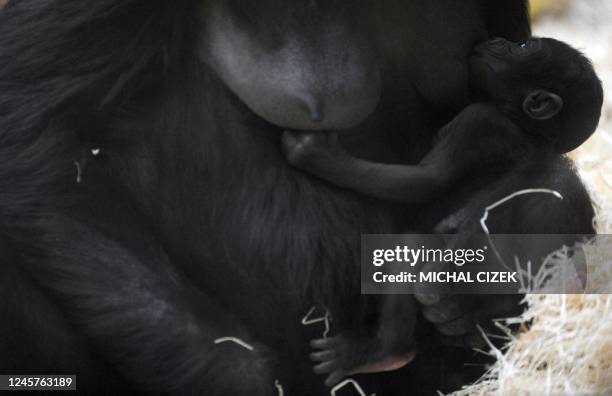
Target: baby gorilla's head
x,y
547,87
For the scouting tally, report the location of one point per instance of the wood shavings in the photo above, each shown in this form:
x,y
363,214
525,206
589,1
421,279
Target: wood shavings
x,y
565,347
349,381
485,216
79,172
326,319
279,387
235,341
249,347
567,350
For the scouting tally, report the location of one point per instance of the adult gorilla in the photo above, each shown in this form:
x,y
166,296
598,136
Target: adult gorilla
x,y
190,225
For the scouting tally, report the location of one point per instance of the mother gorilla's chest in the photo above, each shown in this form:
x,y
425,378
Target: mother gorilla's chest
x,y
425,47
222,176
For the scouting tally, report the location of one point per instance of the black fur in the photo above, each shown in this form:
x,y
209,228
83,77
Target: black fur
x,y
189,225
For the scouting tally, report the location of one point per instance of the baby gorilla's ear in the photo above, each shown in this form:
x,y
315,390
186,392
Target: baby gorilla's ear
x,y
542,105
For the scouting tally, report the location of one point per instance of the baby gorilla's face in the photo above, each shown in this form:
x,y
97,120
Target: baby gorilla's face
x,y
504,72
546,86
497,65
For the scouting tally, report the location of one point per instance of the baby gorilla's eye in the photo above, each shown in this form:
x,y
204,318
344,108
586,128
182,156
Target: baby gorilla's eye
x,y
519,49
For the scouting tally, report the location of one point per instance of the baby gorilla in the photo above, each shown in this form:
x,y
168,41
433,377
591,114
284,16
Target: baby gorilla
x,y
539,97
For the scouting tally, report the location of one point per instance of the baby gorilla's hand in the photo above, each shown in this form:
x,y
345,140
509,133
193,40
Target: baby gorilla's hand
x,y
308,150
346,355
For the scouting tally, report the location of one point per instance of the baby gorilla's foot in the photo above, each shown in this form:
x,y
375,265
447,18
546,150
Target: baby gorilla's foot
x,y
343,355
340,356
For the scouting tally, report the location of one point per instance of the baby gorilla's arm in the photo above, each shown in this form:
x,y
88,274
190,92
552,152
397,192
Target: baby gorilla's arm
x,y
478,141
320,154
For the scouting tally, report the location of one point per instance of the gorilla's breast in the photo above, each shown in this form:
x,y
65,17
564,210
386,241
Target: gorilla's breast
x,y
327,67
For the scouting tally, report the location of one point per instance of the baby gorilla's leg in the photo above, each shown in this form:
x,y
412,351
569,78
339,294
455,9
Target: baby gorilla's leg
x,y
389,348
